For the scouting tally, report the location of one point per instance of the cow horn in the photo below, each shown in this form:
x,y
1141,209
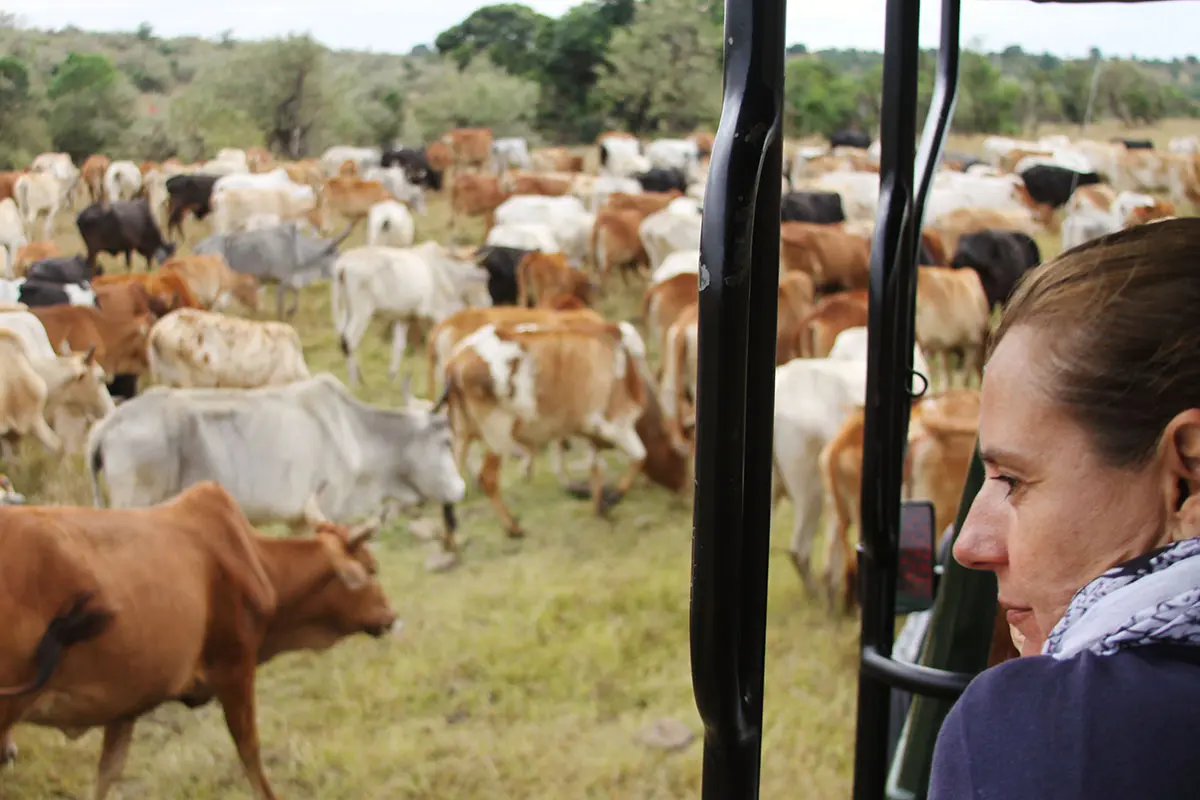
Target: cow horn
x,y
362,532
91,354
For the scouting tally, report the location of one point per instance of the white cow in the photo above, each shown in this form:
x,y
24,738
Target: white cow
x,y
395,180
390,223
622,157
297,454
510,153
605,185
12,234
565,216
233,208
1184,145
276,178
973,191
813,397
74,406
38,194
122,181
681,154
401,284
525,235
678,263
363,157
1084,222
664,232
859,191
195,348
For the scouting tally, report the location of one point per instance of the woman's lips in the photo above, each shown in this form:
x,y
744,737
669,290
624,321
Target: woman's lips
x,y
1016,616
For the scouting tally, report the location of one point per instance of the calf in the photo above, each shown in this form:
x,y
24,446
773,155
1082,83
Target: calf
x,y
194,348
26,383
530,385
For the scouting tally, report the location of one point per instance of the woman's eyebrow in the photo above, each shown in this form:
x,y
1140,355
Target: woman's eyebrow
x,y
998,455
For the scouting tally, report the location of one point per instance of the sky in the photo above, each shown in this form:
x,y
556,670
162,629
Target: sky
x,y
1149,30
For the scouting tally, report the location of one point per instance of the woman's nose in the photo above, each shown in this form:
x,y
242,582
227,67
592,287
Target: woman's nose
x,y
981,543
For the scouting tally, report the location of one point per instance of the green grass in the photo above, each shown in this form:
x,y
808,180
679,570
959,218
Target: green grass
x,y
528,672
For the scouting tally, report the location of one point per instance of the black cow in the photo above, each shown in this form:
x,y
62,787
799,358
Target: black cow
x,y
125,226
1136,144
416,167
850,139
1053,185
501,265
658,179
41,293
61,270
188,193
999,257
821,207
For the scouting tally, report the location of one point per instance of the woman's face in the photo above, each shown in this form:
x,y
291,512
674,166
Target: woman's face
x,y
1051,516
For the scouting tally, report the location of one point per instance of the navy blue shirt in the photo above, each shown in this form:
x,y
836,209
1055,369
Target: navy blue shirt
x,y
1125,727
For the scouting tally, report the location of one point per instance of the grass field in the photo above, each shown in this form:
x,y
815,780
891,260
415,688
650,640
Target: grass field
x,y
530,671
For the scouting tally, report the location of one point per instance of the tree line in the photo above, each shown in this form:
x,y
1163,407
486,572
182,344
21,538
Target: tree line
x,y
648,66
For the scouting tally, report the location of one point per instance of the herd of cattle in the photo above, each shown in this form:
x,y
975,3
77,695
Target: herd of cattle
x,y
236,432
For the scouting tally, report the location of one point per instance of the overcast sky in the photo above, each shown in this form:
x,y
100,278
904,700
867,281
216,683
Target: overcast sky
x,y
1160,29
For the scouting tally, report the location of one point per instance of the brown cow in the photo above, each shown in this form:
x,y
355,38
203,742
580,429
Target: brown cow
x,y
829,317
555,159
119,342
31,253
351,197
795,302
166,288
439,156
664,301
941,442
518,182
8,180
644,204
475,195
616,243
470,147
541,276
952,315
212,282
953,225
235,600
91,176
557,381
828,254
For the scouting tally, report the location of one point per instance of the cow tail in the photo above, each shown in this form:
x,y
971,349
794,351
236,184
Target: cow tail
x,y
337,304
95,460
75,624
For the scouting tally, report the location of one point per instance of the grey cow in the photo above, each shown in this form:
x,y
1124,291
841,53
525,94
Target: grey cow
x,y
281,253
298,454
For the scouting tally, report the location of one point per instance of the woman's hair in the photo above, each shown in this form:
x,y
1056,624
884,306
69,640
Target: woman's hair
x,y
1120,318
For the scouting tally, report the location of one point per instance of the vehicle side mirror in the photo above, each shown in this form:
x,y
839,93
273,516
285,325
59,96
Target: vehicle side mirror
x,y
916,582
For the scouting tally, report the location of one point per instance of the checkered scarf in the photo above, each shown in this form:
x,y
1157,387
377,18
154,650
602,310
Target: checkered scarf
x,y
1152,599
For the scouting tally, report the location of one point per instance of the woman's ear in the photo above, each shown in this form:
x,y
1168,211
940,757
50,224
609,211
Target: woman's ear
x,y
1182,444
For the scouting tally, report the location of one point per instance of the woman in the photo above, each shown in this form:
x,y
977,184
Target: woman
x,y
1090,438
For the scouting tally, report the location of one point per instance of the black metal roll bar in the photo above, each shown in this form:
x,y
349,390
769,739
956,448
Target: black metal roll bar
x,y
739,284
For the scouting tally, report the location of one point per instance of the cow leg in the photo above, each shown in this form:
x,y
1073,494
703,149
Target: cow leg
x,y
295,302
489,480
399,345
8,748
46,436
113,753
596,475
626,439
236,696
279,290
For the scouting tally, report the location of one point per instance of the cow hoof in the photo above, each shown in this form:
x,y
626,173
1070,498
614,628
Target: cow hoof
x,y
8,756
609,499
516,533
578,490
441,561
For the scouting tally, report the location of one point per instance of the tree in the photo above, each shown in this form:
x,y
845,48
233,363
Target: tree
x,y
384,115
664,72
90,105
507,33
281,88
816,100
20,127
478,96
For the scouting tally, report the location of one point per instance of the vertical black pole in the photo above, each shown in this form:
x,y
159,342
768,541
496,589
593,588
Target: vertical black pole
x,y
889,359
739,279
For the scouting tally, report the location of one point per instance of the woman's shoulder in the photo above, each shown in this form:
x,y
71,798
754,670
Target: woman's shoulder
x,y
1096,721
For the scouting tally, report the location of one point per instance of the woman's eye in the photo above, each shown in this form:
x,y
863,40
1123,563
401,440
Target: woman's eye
x,y
1008,481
